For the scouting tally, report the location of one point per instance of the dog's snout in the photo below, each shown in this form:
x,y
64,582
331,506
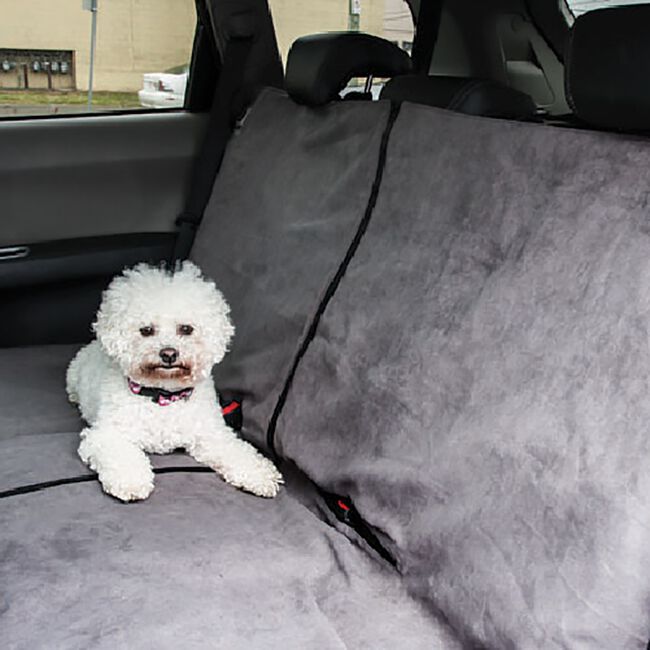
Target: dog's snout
x,y
168,355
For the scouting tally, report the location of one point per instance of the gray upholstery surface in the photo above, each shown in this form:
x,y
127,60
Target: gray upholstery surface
x,y
292,190
29,459
198,565
33,398
479,383
39,428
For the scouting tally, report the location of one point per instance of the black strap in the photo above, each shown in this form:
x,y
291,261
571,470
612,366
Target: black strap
x,y
345,511
426,34
341,506
88,478
334,283
231,403
226,108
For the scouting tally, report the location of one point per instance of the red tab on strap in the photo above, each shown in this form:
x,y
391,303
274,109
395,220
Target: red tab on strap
x,y
229,408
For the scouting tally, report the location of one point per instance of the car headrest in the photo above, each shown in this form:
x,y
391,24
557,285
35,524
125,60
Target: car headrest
x,y
320,66
463,95
608,68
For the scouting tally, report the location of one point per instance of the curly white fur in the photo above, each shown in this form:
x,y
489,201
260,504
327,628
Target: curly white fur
x,y
144,311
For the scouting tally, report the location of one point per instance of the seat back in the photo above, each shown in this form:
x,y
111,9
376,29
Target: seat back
x,y
478,384
462,95
477,381
293,187
288,202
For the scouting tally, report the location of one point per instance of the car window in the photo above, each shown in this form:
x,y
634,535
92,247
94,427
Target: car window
x,y
390,19
141,55
578,7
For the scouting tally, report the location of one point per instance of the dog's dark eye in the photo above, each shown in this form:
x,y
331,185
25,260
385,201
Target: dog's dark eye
x,y
185,330
147,330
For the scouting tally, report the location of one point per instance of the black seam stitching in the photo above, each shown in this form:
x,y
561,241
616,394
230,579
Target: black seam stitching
x,y
87,478
336,280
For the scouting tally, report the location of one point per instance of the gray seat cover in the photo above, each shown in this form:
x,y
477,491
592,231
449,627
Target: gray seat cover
x,y
292,190
198,565
41,458
479,383
33,398
39,428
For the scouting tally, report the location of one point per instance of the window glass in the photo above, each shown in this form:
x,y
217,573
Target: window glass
x,y
141,55
390,19
578,7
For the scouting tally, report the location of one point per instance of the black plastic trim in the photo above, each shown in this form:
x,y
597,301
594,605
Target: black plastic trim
x,y
51,296
79,258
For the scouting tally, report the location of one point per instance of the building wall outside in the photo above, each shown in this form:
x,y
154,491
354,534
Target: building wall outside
x,y
293,18
398,22
133,36
138,36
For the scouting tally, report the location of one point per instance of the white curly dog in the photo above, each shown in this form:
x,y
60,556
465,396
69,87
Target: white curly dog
x,y
145,385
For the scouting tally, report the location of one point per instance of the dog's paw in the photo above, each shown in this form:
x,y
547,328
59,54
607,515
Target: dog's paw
x,y
260,478
267,481
127,488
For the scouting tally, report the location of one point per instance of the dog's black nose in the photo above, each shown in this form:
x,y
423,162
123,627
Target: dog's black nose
x,y
168,355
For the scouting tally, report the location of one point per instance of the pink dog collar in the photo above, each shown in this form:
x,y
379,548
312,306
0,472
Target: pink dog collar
x,y
160,396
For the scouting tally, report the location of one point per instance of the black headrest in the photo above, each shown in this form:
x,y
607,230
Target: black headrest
x,y
608,67
470,96
320,66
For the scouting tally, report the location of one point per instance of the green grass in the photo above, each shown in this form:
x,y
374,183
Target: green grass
x,y
68,98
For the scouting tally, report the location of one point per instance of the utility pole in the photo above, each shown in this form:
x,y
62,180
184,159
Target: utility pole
x,y
91,5
354,15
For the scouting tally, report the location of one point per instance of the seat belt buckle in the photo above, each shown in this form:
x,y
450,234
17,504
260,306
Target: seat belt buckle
x,y
231,409
345,511
187,220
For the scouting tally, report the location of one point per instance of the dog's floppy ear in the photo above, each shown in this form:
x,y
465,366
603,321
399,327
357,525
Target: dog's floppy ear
x,y
221,329
112,322
211,309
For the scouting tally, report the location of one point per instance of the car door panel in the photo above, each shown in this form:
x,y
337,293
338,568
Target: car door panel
x,y
94,175
84,197
51,294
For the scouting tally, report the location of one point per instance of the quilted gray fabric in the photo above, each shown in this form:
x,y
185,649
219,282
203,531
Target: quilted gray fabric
x,y
293,188
479,383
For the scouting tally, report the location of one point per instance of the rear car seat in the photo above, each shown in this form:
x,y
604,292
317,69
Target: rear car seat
x,y
436,392
200,561
32,399
462,95
477,387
